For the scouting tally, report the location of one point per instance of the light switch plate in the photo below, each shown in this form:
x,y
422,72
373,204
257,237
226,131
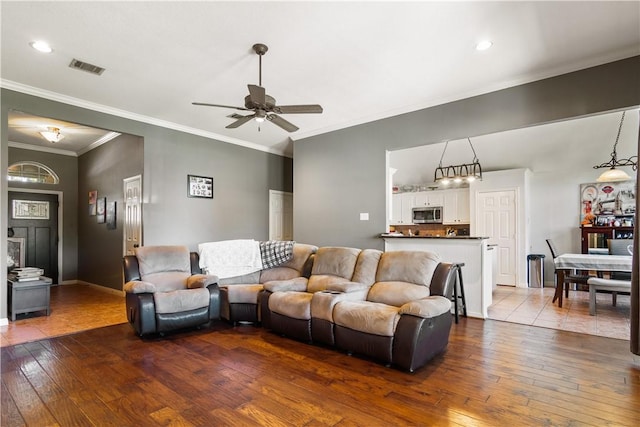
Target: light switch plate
x,y
364,216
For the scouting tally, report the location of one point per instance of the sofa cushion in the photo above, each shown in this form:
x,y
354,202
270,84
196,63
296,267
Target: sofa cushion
x,y
158,259
181,300
168,281
396,293
335,261
243,279
295,284
407,266
201,280
243,294
296,305
322,282
432,306
368,317
367,266
139,287
323,303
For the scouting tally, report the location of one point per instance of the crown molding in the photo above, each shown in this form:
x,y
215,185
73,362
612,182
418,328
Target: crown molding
x,y
76,102
43,148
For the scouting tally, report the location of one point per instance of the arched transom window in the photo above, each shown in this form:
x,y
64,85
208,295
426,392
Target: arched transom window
x,y
32,172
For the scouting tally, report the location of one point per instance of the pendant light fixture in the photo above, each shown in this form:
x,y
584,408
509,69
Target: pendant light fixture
x,y
457,173
614,174
52,134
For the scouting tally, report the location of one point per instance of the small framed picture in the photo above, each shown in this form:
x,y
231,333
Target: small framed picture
x,y
200,186
101,207
111,216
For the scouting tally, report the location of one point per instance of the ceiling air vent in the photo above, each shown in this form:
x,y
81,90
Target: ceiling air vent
x,y
85,66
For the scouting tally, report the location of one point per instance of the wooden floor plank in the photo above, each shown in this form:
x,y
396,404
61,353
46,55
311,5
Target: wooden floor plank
x,y
493,373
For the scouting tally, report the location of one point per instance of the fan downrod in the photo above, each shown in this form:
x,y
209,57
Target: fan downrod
x,y
260,48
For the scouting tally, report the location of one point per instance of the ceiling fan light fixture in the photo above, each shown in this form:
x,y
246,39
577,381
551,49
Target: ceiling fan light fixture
x,y
52,134
613,174
41,46
484,45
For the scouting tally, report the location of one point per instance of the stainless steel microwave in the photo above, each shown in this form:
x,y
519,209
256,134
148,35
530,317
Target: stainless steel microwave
x,y
427,215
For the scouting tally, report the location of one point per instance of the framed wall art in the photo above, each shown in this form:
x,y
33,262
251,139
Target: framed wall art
x,y
200,186
111,216
93,198
100,209
15,252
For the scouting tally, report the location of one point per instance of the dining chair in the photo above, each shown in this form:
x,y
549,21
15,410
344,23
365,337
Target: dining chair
x,y
569,278
619,247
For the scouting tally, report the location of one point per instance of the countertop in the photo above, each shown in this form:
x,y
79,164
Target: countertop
x,y
401,236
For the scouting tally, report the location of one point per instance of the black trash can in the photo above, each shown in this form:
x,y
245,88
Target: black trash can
x,y
535,270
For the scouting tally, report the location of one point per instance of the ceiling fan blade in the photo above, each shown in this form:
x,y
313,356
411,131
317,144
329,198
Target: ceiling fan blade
x,y
222,106
258,94
240,120
279,121
297,109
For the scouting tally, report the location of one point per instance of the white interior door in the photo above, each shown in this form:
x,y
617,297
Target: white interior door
x,y
132,213
496,218
280,215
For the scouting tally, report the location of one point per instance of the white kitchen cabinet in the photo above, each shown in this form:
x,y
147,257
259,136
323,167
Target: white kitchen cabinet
x,y
429,198
401,205
456,206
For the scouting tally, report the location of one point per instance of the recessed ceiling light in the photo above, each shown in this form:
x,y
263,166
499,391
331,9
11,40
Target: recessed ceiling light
x,y
41,46
484,45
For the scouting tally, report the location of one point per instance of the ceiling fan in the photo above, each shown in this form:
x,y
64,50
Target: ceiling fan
x,y
264,106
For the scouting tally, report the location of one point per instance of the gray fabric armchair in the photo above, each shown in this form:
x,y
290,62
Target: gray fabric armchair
x,y
165,290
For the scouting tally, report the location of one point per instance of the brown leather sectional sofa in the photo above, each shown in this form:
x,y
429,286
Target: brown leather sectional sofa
x,y
394,307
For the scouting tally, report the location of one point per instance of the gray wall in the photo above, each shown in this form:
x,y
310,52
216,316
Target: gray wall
x,y
341,174
103,169
66,167
242,178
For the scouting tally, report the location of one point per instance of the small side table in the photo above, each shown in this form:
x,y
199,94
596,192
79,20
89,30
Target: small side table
x,y
26,297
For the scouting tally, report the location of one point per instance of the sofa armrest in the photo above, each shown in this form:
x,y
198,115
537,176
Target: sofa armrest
x,y
296,284
428,307
139,287
201,280
347,287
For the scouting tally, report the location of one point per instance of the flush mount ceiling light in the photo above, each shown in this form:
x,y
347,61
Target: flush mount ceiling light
x,y
484,45
614,174
41,46
52,134
457,173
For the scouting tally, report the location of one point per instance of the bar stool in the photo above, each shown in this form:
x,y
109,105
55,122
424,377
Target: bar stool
x,y
459,283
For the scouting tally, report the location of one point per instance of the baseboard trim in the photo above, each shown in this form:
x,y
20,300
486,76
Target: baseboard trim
x,y
112,291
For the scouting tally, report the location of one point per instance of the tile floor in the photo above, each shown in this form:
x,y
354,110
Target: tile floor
x,y
533,306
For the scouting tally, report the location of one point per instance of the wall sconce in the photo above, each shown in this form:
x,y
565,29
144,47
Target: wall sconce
x,y
52,134
457,173
614,174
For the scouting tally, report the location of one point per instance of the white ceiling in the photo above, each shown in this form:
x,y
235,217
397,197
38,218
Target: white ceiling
x,y
361,61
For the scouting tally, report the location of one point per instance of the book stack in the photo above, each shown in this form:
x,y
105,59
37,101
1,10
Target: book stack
x,y
25,274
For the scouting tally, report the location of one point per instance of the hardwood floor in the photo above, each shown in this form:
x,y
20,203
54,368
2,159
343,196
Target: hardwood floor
x,y
74,308
493,374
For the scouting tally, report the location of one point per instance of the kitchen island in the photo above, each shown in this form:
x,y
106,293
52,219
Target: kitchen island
x,y
474,252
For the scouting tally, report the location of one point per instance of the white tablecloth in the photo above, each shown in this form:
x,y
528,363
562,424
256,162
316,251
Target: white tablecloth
x,y
593,262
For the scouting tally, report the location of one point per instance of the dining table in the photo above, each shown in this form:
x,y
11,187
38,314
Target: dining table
x,y
566,263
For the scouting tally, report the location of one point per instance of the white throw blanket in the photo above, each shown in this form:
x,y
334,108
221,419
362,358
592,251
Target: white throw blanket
x,y
230,258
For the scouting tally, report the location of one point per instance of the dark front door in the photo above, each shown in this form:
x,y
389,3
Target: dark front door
x,y
37,223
